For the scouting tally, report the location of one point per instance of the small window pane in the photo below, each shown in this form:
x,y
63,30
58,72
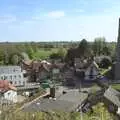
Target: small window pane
x,y
11,77
5,77
19,76
23,83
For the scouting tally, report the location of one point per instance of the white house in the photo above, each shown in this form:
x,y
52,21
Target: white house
x,y
13,74
7,92
11,95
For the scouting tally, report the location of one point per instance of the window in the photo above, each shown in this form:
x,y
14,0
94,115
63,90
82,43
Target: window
x,y
2,78
19,82
15,82
19,76
15,76
24,75
11,82
5,77
9,94
11,77
23,83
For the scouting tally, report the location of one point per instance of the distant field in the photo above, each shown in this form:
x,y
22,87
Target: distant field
x,y
45,53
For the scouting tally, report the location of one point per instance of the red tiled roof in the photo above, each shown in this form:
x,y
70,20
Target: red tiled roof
x,y
5,85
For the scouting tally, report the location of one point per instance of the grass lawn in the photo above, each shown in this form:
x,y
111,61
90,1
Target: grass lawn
x,y
42,53
116,86
100,113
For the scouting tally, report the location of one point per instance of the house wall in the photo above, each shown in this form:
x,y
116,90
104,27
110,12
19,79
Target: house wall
x,y
11,95
68,74
13,74
42,75
55,71
10,69
79,65
17,79
94,74
80,62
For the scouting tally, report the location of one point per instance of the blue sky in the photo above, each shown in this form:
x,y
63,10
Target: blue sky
x,y
58,20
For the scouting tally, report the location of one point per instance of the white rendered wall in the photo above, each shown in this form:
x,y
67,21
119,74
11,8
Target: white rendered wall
x,y
11,95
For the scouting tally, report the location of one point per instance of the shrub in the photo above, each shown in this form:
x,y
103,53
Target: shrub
x,y
105,62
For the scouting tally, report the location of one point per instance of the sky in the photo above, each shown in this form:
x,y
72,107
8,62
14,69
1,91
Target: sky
x,y
58,20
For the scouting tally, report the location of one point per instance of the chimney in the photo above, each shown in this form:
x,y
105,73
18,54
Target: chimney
x,y
116,66
118,44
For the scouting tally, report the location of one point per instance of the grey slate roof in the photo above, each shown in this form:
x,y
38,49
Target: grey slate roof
x,y
113,96
67,102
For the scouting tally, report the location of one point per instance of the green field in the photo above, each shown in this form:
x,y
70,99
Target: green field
x,y
44,54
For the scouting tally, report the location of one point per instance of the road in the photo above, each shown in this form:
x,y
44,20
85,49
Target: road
x,y
67,102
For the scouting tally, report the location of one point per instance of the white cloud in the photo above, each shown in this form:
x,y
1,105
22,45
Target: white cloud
x,y
56,14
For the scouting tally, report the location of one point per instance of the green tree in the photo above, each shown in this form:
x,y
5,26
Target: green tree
x,y
98,45
29,51
84,49
83,44
106,50
24,56
55,56
14,59
61,52
6,57
112,47
105,62
1,56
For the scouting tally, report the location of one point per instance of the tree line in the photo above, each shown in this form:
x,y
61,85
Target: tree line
x,y
13,53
